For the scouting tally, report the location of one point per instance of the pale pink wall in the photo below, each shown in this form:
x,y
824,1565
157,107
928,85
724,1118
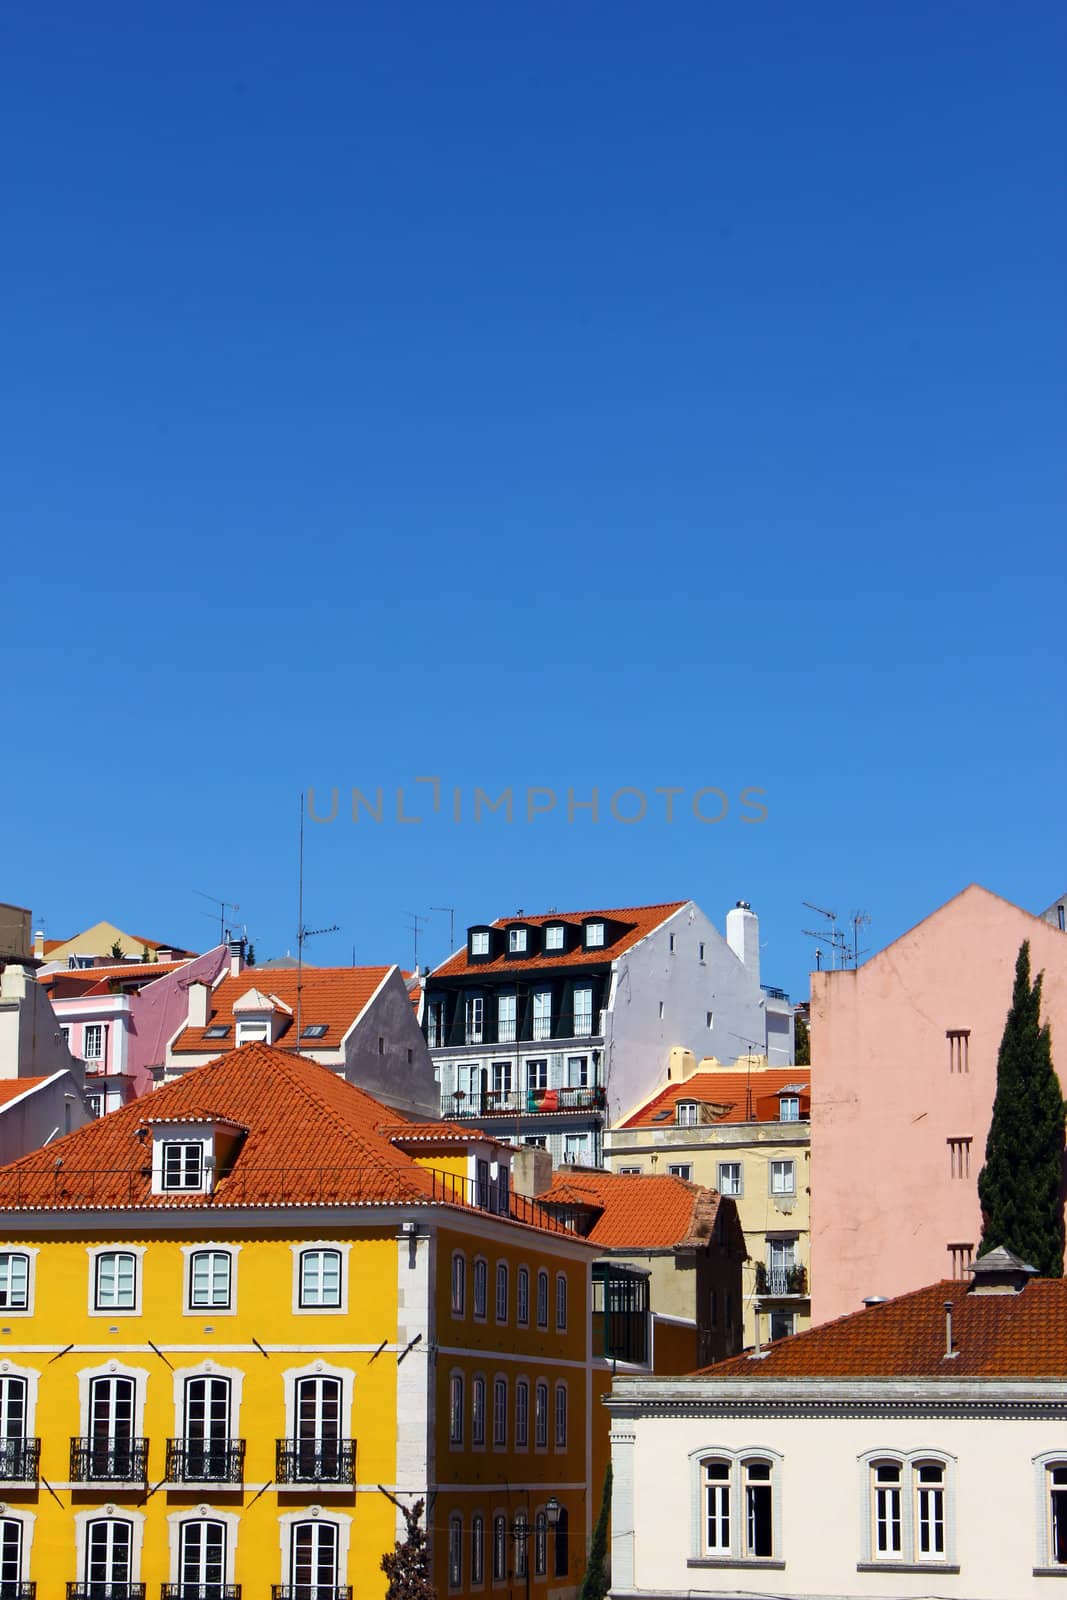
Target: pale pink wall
x,y
159,1011
884,1206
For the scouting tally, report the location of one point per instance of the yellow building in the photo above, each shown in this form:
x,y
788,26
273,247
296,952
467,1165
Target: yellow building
x,y
245,1320
745,1131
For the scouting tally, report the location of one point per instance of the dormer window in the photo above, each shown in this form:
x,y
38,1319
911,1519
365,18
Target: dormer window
x,y
790,1107
183,1166
687,1113
187,1154
517,941
554,936
594,935
252,1032
480,943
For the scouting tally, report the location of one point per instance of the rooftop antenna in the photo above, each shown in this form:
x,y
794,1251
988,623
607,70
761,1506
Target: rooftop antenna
x,y
859,919
753,1049
451,925
836,937
223,905
417,921
303,933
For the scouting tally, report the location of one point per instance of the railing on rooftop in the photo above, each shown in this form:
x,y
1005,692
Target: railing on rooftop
x,y
520,1102
772,991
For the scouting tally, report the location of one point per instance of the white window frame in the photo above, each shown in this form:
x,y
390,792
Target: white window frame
x,y
457,1292
305,1247
26,1521
177,1520
209,1247
737,1555
32,1378
503,1291
541,1026
455,1551
112,1369
101,1513
732,1193
542,1298
317,1369
681,1169
554,936
505,1018
910,1557
686,1113
474,1031
457,1400
1044,1555
537,1065
479,1411
594,936
480,1280
789,1108
480,942
234,1376
540,1429
518,941
775,1189
342,1523
95,1252
29,1252
522,1413
97,1030
559,1415
188,1164
522,1296
582,1032
561,1302
500,1412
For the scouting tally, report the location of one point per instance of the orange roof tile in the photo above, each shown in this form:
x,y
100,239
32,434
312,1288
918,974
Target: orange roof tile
x,y
76,981
639,921
332,995
748,1097
11,1088
995,1336
636,1212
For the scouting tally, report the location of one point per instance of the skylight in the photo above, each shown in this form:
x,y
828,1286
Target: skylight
x,y
315,1030
218,1030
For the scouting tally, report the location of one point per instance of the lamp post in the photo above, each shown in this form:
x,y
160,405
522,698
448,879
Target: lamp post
x,y
552,1511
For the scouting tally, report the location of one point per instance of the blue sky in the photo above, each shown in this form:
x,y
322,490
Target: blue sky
x,y
566,397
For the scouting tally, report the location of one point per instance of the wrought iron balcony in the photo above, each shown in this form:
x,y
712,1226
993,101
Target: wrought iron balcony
x,y
104,1589
315,1461
17,1589
311,1591
205,1461
196,1591
780,1282
19,1459
521,1102
109,1461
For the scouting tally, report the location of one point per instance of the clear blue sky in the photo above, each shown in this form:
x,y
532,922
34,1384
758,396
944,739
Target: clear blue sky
x,y
614,395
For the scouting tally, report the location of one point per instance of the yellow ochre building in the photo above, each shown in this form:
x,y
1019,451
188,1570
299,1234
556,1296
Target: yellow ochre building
x,y
247,1318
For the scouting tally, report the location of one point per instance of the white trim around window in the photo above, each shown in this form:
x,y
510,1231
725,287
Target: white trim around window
x,y
315,1513
103,1513
208,1369
1050,1507
112,1369
13,1281
909,1512
96,1252
733,1543
26,1521
32,1378
209,1247
231,1520
319,1369
311,1246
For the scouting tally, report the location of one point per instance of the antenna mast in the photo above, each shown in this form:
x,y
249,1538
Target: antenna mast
x,y
223,905
303,933
451,925
417,922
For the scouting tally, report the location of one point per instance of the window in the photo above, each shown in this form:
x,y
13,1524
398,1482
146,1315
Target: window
x,y
478,1411
500,1549
108,1555
505,1018
481,1288
500,1412
554,936
475,1019
477,1549
480,944
96,1104
319,1452
517,941
783,1177
313,1558
110,1451
594,935
537,1076
542,1299
578,1072
562,1544
628,1172
183,1165
908,1500
670,943
781,1324
789,1108
501,1077
540,1544
561,1302
730,1180
583,1013
686,1113
18,1457
455,1408
541,1416
575,1149
459,1285
536,1141
320,1279
781,1261
681,1169
1052,1496
210,1275
115,1281
217,1030
959,1049
522,1413
11,1557
521,1529
561,1416
435,1024
959,1157
542,1014
206,1432
381,1044
522,1296
93,1042
14,1280
701,948
455,1552
501,1291
315,1030
738,1508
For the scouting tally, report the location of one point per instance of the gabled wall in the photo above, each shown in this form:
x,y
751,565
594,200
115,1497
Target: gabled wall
x,y
399,1071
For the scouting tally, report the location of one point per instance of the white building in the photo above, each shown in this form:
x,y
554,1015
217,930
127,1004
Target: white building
x,y
915,1448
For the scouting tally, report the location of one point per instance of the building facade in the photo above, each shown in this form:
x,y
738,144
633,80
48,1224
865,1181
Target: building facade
x,y
916,1448
248,1318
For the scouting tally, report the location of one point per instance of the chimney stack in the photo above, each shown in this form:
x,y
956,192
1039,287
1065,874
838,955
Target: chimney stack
x,y
38,945
237,957
199,996
742,935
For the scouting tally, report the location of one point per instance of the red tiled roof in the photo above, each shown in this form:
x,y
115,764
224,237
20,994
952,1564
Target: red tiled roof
x,y
11,1088
729,1089
332,995
76,981
637,1213
639,921
1020,1335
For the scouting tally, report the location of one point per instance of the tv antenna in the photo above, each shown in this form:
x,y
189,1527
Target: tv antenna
x,y
417,921
833,936
223,905
858,920
753,1049
303,933
451,925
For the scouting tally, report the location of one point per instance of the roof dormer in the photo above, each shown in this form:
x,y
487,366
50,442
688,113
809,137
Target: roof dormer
x,y
260,1018
594,933
557,938
520,941
481,942
188,1153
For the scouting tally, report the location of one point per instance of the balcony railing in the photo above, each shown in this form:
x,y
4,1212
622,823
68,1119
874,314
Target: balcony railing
x,y
315,1461
205,1461
779,1282
310,1591
19,1459
105,1589
109,1461
197,1591
17,1589
520,1102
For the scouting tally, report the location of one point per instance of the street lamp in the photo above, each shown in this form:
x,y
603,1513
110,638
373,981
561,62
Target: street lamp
x,y
552,1511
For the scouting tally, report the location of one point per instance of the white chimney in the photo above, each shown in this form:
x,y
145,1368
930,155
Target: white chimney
x,y
237,957
38,945
742,935
199,997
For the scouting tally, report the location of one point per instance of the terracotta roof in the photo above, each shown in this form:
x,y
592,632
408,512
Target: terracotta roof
x,y
715,1088
98,980
638,921
332,995
1020,1335
11,1088
312,1138
429,1133
636,1213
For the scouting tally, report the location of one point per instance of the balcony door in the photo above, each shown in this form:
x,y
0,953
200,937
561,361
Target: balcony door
x,y
781,1260
202,1559
207,1428
313,1561
10,1556
12,1428
111,1413
108,1557
318,1428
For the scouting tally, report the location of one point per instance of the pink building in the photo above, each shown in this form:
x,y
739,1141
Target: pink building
x,y
904,1057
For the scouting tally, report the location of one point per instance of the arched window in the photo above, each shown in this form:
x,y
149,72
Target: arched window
x,y
561,1302
477,1549
202,1557
115,1281
542,1299
738,1505
459,1284
501,1291
478,1411
541,1416
10,1556
205,1454
108,1555
500,1412
522,1308
500,1548
561,1416
455,1408
907,1500
522,1545
320,1279
313,1558
540,1544
522,1413
14,1281
481,1288
210,1275
17,1459
455,1552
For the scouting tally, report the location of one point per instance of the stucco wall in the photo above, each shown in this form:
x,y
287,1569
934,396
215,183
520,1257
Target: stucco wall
x,y
48,1111
31,1043
387,1073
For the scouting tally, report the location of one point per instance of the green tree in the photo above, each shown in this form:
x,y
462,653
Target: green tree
x,y
802,1038
116,951
597,1580
407,1566
250,958
1020,1186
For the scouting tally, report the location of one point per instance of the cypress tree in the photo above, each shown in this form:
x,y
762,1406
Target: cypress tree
x,y
407,1566
1020,1185
597,1580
